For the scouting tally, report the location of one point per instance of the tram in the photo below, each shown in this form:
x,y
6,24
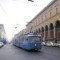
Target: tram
x,y
28,42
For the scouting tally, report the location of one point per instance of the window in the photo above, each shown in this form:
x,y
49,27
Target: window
x,y
56,10
50,12
45,16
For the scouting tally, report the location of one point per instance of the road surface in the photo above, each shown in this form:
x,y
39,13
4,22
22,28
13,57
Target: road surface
x,y
10,52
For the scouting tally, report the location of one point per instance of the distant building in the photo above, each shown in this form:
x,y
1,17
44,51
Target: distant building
x,y
2,32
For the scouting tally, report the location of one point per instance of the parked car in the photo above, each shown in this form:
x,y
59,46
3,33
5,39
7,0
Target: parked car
x,y
51,44
3,40
43,43
54,45
58,45
1,44
48,44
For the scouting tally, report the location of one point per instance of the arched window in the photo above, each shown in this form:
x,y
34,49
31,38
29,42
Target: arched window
x,y
58,24
39,30
46,28
42,29
51,26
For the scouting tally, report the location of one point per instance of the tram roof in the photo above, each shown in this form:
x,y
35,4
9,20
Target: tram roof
x,y
34,35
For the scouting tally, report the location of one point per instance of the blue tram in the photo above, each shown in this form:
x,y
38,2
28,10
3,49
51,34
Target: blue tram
x,y
28,42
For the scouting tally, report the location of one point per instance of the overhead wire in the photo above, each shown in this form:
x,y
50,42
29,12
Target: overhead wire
x,y
31,1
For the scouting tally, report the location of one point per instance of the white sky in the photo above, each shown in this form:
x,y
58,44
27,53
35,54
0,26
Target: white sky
x,y
18,13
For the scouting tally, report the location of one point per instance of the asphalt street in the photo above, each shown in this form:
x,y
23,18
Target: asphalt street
x,y
10,52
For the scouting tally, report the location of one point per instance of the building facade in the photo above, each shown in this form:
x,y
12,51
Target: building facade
x,y
2,34
2,31
47,22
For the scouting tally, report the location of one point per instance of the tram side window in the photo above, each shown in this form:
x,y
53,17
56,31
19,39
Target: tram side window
x,y
29,39
21,39
26,39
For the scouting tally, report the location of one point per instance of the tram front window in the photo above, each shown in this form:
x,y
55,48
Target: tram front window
x,y
34,39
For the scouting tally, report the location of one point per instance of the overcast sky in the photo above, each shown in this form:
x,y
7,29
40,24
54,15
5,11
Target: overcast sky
x,y
18,13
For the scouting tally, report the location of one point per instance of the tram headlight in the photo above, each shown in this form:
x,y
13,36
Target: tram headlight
x,y
35,44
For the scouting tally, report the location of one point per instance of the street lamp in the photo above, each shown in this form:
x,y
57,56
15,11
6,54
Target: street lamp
x,y
31,0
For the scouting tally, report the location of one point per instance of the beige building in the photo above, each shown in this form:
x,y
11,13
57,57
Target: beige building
x,y
47,22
